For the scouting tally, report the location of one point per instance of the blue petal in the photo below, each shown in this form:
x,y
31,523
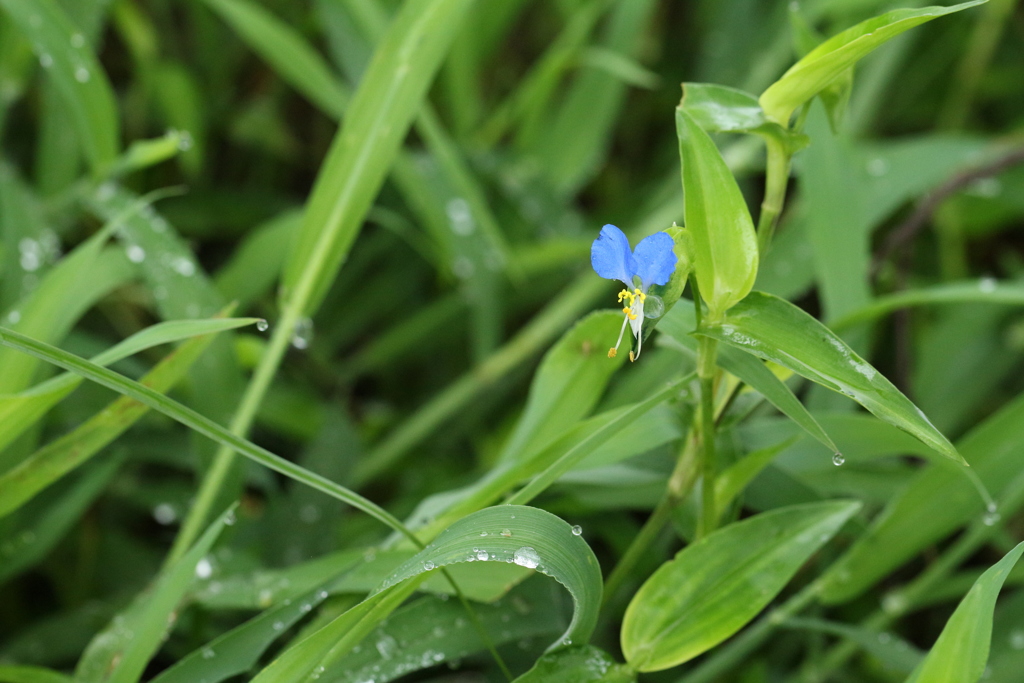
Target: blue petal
x,y
611,257
655,261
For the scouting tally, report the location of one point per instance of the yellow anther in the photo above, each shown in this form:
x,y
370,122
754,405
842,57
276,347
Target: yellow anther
x,y
627,295
631,357
631,314
612,351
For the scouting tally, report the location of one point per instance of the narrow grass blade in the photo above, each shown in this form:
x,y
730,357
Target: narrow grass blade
x,y
75,72
238,650
20,411
57,458
936,503
960,653
195,421
376,122
120,653
311,656
985,290
526,536
289,54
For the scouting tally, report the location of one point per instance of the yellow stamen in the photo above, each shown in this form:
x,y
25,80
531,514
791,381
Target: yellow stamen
x,y
631,357
612,351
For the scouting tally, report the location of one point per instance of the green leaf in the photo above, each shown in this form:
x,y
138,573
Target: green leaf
x,y
716,585
776,330
431,630
577,664
60,456
311,656
52,309
567,385
19,411
836,95
31,674
69,61
722,232
120,653
960,653
680,324
376,122
528,537
827,62
720,109
287,51
238,650
936,503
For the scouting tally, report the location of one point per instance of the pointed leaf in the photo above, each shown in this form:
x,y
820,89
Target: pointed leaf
x,y
827,62
58,457
776,330
238,650
679,325
120,653
69,61
376,122
960,653
716,585
567,385
526,536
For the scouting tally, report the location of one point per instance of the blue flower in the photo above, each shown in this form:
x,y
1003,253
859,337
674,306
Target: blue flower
x,y
651,263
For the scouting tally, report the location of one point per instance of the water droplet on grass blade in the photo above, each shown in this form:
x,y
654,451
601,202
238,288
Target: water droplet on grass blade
x,y
577,530
136,254
262,325
303,334
838,459
526,557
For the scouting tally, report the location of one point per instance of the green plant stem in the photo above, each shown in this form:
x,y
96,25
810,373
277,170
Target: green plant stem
x,y
214,479
776,180
739,649
679,485
707,351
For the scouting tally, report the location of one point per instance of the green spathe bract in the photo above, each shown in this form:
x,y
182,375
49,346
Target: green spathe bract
x,y
715,586
828,62
722,232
